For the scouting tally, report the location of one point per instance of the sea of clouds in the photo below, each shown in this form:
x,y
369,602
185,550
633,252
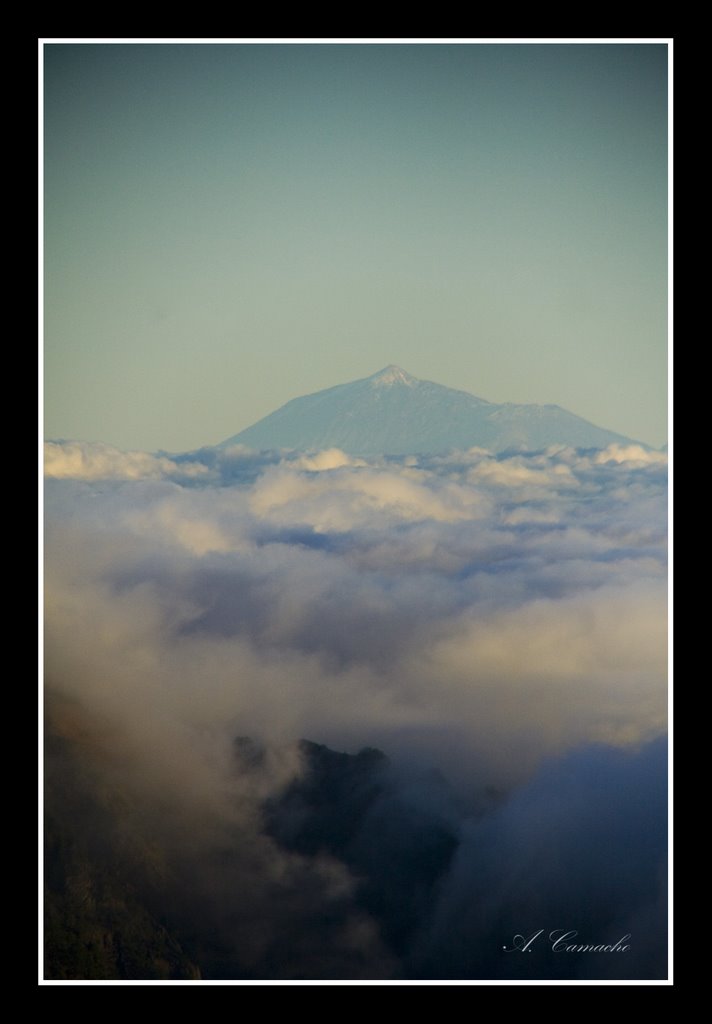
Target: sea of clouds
x,y
495,623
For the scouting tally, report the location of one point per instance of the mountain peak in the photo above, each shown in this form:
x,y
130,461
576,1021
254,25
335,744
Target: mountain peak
x,y
393,413
390,375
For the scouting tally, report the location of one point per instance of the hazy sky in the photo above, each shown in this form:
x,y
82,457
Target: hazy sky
x,y
229,226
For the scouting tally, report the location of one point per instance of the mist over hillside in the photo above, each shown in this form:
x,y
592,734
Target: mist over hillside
x,y
313,715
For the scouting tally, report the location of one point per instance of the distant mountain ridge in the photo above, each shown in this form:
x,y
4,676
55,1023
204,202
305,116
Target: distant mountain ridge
x,y
394,413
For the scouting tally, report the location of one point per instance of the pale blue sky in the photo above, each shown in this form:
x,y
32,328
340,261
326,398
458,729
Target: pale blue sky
x,y
229,226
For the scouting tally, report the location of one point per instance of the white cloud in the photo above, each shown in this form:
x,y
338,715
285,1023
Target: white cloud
x,y
330,458
361,496
516,473
86,460
633,453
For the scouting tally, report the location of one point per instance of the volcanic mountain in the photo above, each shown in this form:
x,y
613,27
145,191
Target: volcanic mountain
x,y
393,413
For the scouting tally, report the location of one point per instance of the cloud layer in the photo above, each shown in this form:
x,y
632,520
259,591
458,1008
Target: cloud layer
x,y
476,616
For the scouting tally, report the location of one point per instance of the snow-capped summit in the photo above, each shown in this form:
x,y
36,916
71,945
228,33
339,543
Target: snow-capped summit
x,y
390,375
394,413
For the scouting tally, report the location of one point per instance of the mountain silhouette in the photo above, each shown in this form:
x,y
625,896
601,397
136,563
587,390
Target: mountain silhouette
x,y
394,413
